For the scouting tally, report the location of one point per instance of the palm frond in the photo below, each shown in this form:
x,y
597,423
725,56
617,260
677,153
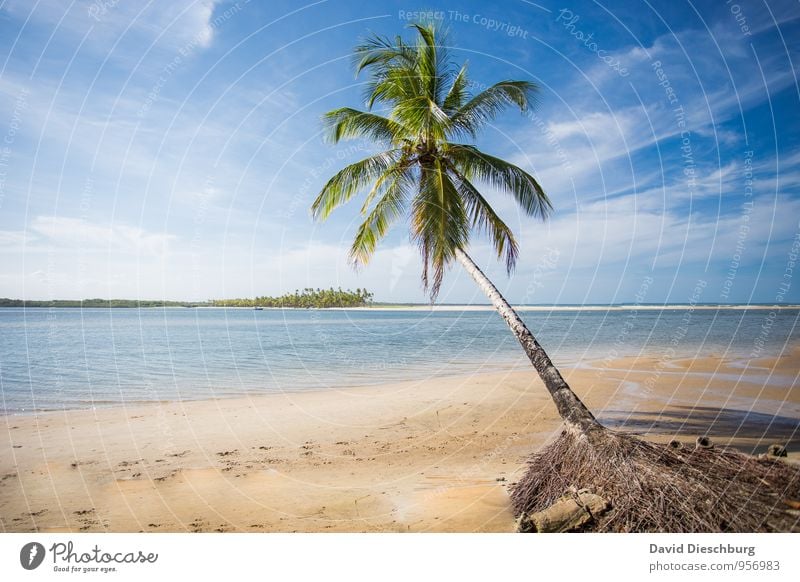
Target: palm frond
x,y
439,224
485,106
347,123
402,166
395,186
422,116
345,183
503,175
430,57
379,52
483,217
393,86
458,92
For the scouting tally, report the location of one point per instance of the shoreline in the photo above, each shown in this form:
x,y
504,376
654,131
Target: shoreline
x,y
428,455
242,398
732,358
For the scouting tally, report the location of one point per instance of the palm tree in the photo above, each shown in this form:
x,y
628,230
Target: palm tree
x,y
425,171
428,173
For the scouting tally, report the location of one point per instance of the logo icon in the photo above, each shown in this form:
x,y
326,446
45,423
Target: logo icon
x,y
31,555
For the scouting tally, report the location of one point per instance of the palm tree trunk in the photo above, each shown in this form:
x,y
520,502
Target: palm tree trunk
x,y
570,407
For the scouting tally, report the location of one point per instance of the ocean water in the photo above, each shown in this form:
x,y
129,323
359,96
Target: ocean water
x,y
52,359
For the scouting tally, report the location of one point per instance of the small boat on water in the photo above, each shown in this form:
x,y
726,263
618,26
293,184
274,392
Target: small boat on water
x,y
258,308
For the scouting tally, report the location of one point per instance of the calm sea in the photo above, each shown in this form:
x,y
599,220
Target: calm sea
x,y
71,358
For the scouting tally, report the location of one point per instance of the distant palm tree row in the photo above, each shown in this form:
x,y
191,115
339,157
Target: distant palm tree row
x,y
307,298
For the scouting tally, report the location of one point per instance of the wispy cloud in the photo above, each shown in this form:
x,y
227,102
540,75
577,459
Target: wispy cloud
x,y
104,23
58,232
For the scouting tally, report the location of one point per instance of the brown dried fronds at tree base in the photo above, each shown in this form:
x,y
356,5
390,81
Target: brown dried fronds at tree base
x,y
658,488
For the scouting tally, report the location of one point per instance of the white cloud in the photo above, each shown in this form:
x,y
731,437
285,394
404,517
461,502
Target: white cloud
x,y
61,232
174,24
13,238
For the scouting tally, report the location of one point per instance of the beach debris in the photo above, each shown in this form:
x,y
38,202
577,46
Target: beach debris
x,y
675,444
570,512
777,450
703,442
652,487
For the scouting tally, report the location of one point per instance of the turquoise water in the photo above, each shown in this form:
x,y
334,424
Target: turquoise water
x,y
71,358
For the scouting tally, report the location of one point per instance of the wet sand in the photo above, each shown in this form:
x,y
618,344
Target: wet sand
x,y
436,455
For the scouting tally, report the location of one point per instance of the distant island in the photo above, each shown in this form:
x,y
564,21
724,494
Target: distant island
x,y
105,303
307,298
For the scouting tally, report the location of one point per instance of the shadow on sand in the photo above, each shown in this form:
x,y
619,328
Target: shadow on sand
x,y
688,422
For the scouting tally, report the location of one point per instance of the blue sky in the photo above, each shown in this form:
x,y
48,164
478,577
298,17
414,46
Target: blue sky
x,y
171,150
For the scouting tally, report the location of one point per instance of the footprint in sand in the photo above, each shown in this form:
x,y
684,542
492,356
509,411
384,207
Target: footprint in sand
x,y
128,463
165,477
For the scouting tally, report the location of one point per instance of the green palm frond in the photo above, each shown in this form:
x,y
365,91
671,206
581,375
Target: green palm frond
x,y
458,92
347,123
504,176
429,60
345,183
395,187
394,86
439,223
487,104
423,117
403,168
380,52
484,218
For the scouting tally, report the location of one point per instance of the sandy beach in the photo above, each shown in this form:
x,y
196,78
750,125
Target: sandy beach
x,y
435,455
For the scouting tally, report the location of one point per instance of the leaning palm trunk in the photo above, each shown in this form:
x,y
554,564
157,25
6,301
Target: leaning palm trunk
x,y
570,407
650,487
